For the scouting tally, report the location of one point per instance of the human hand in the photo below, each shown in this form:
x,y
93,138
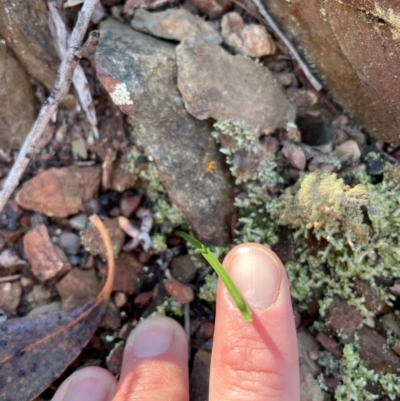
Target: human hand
x,y
250,361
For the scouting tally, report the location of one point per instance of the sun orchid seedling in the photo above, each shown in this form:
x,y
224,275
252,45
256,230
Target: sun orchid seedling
x,y
222,274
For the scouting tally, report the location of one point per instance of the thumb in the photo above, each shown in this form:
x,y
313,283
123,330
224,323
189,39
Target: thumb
x,y
258,360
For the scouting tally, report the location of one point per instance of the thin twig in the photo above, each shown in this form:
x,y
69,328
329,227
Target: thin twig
x,y
7,279
293,52
61,86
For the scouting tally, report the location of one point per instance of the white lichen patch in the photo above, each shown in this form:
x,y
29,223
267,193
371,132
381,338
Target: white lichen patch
x,y
120,96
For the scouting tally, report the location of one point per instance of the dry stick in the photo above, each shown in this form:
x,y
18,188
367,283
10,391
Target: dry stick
x,y
293,52
61,86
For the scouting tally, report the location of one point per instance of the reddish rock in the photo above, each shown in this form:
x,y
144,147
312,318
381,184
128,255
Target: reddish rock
x,y
372,300
60,192
343,318
143,298
127,269
93,243
296,156
46,259
130,204
10,296
179,291
78,287
376,354
250,40
330,344
213,7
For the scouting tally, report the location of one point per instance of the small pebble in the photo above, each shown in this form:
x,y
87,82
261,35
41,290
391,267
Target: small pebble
x,y
120,299
69,242
79,222
296,156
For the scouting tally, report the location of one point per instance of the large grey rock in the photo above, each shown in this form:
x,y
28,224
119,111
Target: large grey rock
x,y
17,101
174,24
140,74
25,27
216,84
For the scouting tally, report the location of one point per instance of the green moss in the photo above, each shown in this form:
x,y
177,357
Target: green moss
x,y
169,307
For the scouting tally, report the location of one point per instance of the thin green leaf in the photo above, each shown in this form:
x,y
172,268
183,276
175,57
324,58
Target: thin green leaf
x,y
223,275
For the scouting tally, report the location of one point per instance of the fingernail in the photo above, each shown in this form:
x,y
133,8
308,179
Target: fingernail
x,y
88,388
256,275
153,337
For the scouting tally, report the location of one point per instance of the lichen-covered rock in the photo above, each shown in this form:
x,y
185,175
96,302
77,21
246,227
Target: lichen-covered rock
x,y
215,84
174,24
354,45
140,74
25,27
59,192
17,101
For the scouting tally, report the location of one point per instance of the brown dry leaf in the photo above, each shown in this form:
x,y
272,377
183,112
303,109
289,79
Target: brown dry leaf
x,y
35,350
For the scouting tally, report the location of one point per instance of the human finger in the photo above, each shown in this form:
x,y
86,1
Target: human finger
x,y
155,363
258,360
88,384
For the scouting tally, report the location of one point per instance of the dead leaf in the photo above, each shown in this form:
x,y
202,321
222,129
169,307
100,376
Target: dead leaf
x,y
35,350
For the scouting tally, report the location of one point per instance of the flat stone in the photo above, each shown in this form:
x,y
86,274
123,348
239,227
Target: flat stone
x,y
25,27
200,376
78,287
215,84
15,90
10,296
342,317
46,260
174,24
251,40
59,192
93,243
69,242
376,354
140,74
127,269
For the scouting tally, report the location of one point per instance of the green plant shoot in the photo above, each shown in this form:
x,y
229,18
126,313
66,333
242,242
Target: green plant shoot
x,y
222,274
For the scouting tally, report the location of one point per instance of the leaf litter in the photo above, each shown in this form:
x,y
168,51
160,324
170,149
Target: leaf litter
x,y
35,350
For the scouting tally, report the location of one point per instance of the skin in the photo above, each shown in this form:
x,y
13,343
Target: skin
x,y
250,361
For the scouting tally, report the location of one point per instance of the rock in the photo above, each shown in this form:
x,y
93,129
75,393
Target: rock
x,y
111,319
114,358
140,74
15,90
174,24
348,152
354,47
309,387
69,242
308,345
25,27
10,296
200,376
330,344
59,192
376,354
120,299
127,269
93,243
372,300
79,222
213,8
143,298
78,287
9,260
38,296
215,84
130,204
342,317
296,156
47,260
179,291
392,323
250,40
183,268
